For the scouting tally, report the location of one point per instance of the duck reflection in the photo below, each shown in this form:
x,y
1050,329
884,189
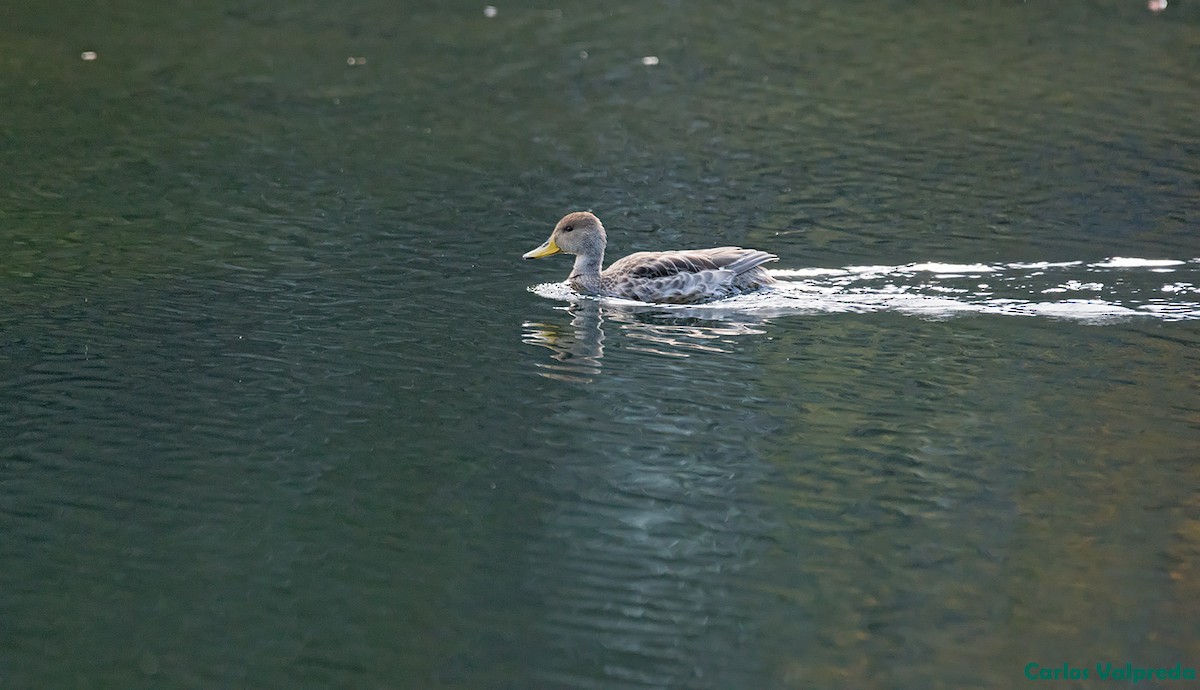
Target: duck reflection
x,y
577,343
577,346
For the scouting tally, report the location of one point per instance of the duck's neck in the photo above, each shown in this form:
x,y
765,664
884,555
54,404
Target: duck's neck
x,y
585,277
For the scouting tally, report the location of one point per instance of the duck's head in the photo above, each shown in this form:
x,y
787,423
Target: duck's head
x,y
577,233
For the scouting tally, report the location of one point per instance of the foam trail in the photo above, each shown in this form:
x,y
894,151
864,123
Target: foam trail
x,y
1115,289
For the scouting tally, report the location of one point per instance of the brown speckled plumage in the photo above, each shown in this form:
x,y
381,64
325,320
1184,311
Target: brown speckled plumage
x,y
676,277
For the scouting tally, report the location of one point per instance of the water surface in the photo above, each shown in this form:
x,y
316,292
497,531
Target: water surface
x,y
281,406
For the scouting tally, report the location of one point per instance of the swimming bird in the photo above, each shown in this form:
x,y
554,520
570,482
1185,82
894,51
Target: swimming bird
x,y
676,277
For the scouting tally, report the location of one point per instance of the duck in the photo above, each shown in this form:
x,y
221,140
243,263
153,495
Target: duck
x,y
688,276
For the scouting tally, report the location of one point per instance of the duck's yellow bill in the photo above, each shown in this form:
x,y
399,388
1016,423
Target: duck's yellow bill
x,y
548,248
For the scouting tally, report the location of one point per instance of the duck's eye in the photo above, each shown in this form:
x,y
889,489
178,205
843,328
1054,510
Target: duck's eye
x,y
568,228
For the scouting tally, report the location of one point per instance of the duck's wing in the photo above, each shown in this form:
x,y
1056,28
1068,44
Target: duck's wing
x,y
683,276
663,264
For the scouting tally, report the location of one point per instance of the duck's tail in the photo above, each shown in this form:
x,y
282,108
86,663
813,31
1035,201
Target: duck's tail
x,y
748,260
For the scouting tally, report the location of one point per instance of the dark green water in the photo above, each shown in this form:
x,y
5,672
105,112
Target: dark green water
x,y
278,408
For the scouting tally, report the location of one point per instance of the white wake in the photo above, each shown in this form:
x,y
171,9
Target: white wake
x,y
1118,288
